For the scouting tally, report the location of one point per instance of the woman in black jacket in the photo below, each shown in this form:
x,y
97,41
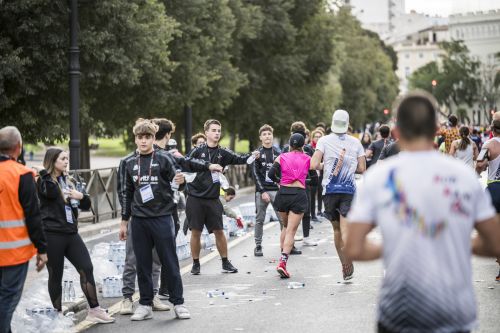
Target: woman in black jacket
x,y
59,202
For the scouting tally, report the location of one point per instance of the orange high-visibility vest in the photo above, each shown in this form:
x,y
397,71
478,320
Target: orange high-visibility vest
x,y
15,245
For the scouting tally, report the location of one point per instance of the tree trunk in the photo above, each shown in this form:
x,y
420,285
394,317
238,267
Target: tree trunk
x,y
84,149
232,141
178,138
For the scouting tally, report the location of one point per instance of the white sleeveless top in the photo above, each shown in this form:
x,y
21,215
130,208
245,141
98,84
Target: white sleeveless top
x,y
466,155
494,165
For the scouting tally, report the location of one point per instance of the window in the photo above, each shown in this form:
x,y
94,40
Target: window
x,y
407,55
420,55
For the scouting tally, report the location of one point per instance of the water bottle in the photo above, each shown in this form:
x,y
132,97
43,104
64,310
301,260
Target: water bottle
x,y
251,159
173,185
296,285
224,183
105,287
65,291
215,293
72,295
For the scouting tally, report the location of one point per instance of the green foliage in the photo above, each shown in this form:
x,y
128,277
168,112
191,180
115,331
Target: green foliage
x,y
456,74
369,84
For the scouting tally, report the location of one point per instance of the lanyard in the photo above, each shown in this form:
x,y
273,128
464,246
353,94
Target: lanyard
x,y
216,153
139,168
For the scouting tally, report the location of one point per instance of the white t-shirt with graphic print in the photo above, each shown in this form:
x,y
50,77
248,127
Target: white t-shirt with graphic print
x,y
340,156
425,205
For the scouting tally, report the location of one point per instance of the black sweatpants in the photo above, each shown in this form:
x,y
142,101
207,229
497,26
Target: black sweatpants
x,y
71,246
163,274
157,232
306,219
312,202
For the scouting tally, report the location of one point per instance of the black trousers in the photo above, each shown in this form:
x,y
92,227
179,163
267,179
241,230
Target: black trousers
x,y
157,232
71,246
306,219
163,274
312,202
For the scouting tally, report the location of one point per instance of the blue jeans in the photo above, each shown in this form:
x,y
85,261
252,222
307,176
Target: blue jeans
x,y
11,287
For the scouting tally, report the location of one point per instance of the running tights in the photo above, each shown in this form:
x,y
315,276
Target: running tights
x,y
72,247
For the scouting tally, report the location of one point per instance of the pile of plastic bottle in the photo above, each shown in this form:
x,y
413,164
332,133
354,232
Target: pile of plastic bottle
x,y
68,290
116,254
112,286
248,211
183,249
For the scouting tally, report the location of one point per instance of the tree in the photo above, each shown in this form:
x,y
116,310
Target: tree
x,y
456,75
369,84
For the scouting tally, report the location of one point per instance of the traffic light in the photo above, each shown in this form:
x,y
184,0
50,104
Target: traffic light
x,y
434,83
386,111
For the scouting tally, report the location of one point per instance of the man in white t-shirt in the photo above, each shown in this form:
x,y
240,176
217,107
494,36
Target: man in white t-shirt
x,y
343,157
426,206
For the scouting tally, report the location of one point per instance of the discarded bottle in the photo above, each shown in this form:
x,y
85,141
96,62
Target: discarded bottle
x,y
173,185
65,291
72,295
296,285
251,159
215,293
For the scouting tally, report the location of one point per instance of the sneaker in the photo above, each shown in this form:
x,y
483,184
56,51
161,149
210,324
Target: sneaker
x,y
315,219
142,312
295,251
163,295
99,315
196,268
309,242
227,267
127,306
298,238
347,271
159,306
281,269
258,251
181,312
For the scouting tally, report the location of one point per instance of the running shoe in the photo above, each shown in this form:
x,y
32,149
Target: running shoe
x,y
281,269
347,271
258,251
309,242
158,305
295,251
227,267
181,312
142,312
163,295
127,306
99,315
195,270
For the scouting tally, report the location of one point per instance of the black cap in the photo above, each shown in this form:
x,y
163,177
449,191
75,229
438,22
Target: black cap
x,y
297,140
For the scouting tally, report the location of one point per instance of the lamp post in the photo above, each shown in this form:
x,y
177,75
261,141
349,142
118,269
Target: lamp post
x,y
188,127
74,87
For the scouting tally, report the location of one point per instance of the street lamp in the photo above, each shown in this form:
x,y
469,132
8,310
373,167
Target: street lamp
x,y
74,87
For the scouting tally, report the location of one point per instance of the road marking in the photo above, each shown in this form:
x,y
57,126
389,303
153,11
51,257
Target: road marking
x,y
115,308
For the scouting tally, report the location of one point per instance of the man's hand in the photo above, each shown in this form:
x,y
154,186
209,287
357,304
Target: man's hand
x,y
215,167
41,260
123,230
266,197
256,154
179,178
74,194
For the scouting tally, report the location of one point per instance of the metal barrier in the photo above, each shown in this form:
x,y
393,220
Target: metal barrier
x,y
101,185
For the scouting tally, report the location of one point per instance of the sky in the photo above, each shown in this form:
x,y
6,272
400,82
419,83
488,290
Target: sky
x,y
447,7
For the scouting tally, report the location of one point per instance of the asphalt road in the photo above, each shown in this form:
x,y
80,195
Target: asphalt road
x,y
257,300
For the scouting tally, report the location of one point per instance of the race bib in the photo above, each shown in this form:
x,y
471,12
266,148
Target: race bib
x,y
146,193
69,214
215,177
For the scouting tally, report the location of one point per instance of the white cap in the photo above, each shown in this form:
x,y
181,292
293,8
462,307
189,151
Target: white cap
x,y
340,122
172,142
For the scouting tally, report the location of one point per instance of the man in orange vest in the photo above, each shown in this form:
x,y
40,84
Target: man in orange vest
x,y
21,233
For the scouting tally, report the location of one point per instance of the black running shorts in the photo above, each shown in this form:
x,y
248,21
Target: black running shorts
x,y
204,212
336,205
494,189
292,199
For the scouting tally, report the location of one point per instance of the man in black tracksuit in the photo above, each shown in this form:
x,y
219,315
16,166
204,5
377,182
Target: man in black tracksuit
x,y
146,194
265,188
203,207
165,131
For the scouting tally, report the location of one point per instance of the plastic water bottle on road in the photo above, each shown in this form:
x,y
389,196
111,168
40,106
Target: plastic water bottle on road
x,y
296,285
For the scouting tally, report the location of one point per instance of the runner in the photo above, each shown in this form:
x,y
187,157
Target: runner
x,y
375,148
464,149
147,196
343,156
450,134
312,179
316,189
265,188
426,222
489,158
290,171
203,207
